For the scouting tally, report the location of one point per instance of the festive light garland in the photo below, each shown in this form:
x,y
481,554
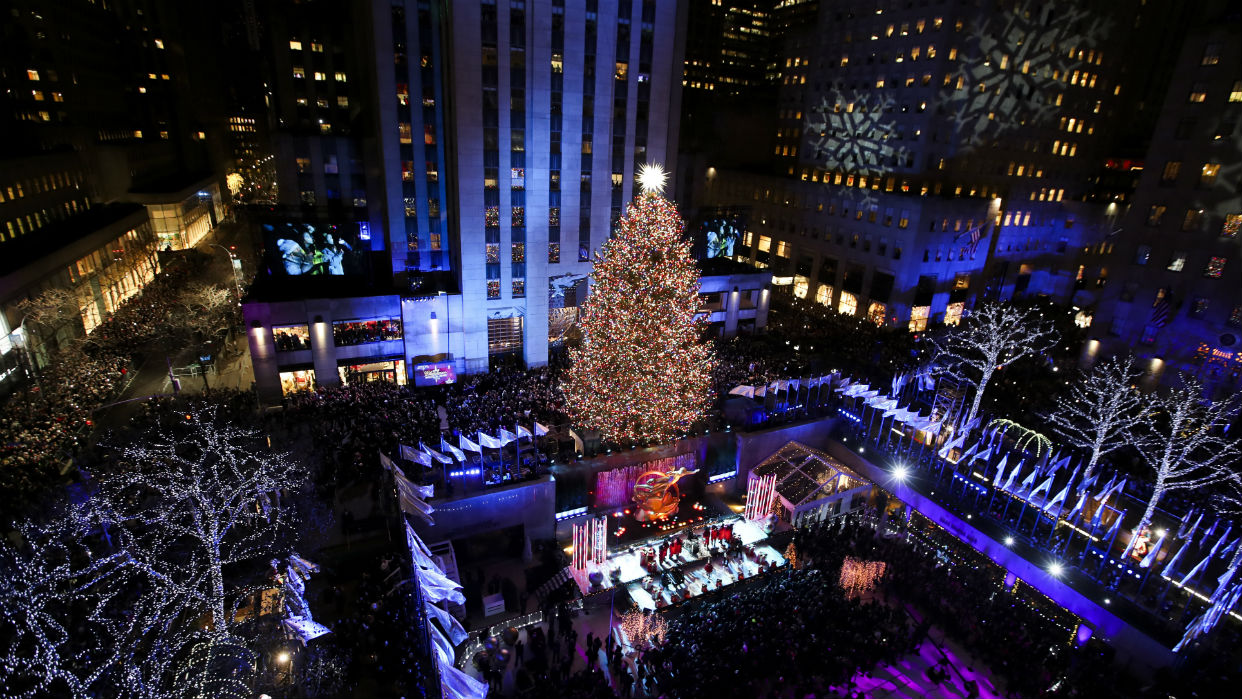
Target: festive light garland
x,y
643,629
643,372
860,577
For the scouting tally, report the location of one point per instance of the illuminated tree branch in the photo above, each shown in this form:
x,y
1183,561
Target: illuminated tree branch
x,y
993,336
1100,410
1181,440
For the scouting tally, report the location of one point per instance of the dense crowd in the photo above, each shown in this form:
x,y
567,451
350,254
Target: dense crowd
x,y
350,424
506,397
41,428
359,333
795,633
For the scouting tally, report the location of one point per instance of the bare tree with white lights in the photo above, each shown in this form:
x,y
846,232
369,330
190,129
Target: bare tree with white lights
x,y
1100,410
1182,441
201,495
994,335
78,622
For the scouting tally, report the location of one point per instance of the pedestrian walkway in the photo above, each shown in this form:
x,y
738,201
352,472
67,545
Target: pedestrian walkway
x,y
909,677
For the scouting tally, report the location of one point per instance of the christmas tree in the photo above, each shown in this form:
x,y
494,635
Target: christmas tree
x,y
791,555
643,370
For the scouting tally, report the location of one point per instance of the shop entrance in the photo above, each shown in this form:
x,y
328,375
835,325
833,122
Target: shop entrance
x,y
390,371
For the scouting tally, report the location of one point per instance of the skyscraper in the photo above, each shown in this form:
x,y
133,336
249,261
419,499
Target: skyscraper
x,y
1175,294
930,153
498,142
108,150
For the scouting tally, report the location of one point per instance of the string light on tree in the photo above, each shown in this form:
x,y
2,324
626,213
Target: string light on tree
x,y
791,555
860,577
1099,412
1182,440
643,372
992,337
642,629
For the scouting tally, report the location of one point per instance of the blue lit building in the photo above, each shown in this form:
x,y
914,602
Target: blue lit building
x,y
481,151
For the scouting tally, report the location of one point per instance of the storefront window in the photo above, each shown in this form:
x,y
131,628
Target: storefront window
x,y
918,318
801,286
389,371
875,313
290,338
953,313
824,295
848,305
297,381
361,332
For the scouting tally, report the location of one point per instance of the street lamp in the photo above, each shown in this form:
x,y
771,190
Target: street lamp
x,y
232,268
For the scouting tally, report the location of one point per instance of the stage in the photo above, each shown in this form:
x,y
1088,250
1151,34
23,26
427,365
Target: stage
x,y
682,575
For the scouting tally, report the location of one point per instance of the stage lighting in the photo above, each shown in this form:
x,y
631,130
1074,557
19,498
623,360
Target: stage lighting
x,y
1009,541
1056,570
900,474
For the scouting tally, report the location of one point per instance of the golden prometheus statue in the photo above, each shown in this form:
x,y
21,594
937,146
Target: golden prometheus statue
x,y
657,495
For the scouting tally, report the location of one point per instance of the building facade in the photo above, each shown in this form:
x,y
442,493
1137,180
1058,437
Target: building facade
x,y
928,155
498,143
101,108
1175,293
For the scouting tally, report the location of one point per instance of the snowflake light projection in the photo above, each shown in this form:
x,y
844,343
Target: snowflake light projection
x,y
855,132
1018,64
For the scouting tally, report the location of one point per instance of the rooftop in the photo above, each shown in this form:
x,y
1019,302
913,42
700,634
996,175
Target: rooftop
x,y
33,246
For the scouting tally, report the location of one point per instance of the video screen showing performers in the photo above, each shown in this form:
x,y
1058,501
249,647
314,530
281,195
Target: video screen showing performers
x,y
314,249
721,232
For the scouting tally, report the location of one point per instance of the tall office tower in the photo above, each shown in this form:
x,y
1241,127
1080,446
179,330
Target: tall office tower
x,y
932,152
315,80
1175,290
106,151
499,143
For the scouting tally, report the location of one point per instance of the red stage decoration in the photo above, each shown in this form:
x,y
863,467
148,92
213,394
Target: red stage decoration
x,y
760,496
643,372
590,542
615,488
859,577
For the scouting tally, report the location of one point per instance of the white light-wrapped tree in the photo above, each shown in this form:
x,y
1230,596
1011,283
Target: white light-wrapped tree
x,y
992,336
201,495
1099,411
58,638
1181,439
1227,501
199,509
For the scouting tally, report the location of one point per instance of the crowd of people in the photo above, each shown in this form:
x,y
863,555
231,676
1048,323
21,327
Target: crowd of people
x,y
362,332
42,427
794,632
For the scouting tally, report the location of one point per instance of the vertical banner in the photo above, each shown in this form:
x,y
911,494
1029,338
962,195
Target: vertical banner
x,y
760,493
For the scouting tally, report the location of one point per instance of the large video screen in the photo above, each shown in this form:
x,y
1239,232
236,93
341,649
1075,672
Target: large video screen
x,y
314,249
434,374
721,232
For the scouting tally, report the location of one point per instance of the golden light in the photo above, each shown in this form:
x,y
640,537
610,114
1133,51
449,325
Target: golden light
x,y
651,177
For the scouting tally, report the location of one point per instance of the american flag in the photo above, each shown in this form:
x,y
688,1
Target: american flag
x,y
1160,309
976,234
